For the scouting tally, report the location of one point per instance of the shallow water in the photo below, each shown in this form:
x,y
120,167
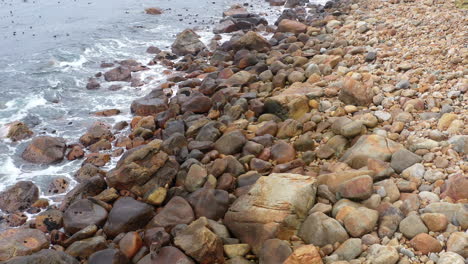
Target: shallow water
x,y
50,49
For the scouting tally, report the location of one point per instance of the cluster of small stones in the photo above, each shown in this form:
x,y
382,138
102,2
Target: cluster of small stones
x,y
337,135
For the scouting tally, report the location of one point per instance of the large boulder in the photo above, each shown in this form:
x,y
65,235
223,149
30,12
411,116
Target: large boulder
x,y
269,210
287,25
19,197
88,188
199,242
45,150
45,256
126,215
152,104
187,42
119,74
83,213
370,147
98,131
137,166
18,131
21,242
251,41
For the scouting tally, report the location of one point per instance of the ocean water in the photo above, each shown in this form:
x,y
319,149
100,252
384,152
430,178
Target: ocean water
x,y
51,48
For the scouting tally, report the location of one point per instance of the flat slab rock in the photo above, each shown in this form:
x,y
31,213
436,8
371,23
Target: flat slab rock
x,y
269,210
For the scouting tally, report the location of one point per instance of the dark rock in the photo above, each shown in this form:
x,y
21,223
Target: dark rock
x,y
108,256
95,133
167,255
176,211
275,251
82,214
119,74
127,215
198,104
210,203
230,143
19,197
87,188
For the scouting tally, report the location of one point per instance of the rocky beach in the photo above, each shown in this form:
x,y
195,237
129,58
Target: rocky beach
x,y
297,134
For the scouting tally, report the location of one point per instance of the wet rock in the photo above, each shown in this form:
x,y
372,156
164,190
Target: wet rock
x,y
87,188
305,254
187,42
18,131
199,242
21,242
425,244
137,166
319,229
176,211
126,215
82,214
49,220
235,10
355,93
95,133
361,221
274,251
153,11
260,215
76,152
403,159
88,171
230,143
149,105
209,203
251,41
45,150
292,26
108,256
84,248
19,197
118,74
412,225
370,146
458,243
45,256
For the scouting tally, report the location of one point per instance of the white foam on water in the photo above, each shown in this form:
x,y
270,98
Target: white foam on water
x,y
22,106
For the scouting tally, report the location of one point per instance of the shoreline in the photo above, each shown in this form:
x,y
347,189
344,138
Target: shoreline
x,y
360,115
